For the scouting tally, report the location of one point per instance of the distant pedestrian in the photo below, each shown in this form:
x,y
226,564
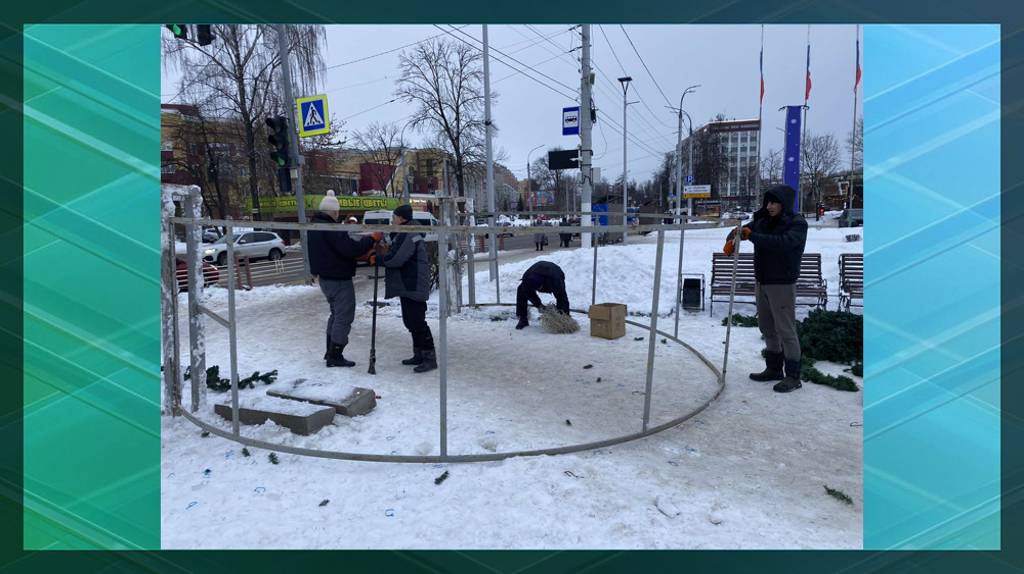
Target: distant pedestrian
x,y
540,240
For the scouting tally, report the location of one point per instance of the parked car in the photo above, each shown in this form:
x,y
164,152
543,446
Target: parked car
x,y
383,217
211,234
851,218
251,244
210,274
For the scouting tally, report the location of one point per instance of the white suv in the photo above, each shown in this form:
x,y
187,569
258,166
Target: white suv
x,y
251,244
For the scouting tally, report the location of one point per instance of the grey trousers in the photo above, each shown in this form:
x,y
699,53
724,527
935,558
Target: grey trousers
x,y
341,296
776,317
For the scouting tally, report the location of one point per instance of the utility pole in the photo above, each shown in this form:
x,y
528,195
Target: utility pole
x,y
625,210
493,267
586,149
293,144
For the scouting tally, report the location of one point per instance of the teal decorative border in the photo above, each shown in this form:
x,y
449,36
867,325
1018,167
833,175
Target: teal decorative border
x,y
932,290
1011,205
91,287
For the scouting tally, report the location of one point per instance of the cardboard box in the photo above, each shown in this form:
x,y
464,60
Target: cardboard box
x,y
608,320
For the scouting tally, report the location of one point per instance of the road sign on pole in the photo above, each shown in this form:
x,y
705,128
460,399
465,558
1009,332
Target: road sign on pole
x,y
689,180
697,191
313,119
571,121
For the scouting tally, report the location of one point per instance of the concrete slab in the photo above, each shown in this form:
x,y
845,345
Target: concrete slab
x,y
346,400
300,418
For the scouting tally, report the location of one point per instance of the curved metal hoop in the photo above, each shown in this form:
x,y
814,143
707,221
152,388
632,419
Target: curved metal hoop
x,y
489,457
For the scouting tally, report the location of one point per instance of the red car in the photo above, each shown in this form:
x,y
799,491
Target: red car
x,y
210,274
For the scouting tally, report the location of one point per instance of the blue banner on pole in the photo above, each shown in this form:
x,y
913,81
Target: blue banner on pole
x,y
791,169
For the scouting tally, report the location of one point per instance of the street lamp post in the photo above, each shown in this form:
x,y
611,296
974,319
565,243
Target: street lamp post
x,y
625,80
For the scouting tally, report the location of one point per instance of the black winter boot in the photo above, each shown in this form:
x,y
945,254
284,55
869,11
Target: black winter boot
x,y
773,368
792,380
416,359
523,322
429,361
327,352
336,358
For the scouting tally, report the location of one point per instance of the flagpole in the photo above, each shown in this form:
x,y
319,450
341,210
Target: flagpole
x,y
853,132
803,135
760,111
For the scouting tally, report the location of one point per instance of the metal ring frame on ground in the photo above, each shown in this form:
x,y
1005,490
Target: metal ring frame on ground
x,y
172,348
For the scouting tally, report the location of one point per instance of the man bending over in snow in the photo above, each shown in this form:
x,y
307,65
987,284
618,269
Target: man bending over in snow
x,y
332,257
545,277
779,235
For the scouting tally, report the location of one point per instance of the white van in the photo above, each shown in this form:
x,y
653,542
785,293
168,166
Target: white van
x,y
383,217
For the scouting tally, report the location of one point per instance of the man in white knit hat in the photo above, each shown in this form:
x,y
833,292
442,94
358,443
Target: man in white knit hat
x,y
332,257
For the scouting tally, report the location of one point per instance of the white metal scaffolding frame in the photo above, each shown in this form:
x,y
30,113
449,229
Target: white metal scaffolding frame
x,y
444,235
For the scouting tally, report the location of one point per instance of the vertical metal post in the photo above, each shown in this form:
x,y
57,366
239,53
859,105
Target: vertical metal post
x,y
679,280
197,353
293,144
443,337
654,328
471,268
593,285
493,266
586,151
232,329
732,296
172,367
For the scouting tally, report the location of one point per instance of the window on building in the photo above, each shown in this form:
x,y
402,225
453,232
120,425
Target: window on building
x,y
168,168
167,145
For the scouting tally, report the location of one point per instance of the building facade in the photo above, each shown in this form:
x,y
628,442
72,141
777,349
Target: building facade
x,y
725,156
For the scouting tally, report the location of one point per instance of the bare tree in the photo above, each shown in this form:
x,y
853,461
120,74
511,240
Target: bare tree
x,y
771,167
385,145
444,79
820,159
237,76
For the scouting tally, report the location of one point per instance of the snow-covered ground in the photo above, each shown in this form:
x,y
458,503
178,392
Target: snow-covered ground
x,y
748,472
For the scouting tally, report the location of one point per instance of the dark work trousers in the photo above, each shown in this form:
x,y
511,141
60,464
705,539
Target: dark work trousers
x,y
776,317
414,317
341,296
524,295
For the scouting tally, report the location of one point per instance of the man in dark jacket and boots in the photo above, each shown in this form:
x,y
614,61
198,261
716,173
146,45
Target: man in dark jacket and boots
x,y
332,260
779,235
545,277
407,277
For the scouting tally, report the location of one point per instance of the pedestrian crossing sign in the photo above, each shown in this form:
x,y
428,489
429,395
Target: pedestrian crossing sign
x,y
313,119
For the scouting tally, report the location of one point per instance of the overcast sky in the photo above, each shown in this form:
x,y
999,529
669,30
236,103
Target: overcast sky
x,y
722,59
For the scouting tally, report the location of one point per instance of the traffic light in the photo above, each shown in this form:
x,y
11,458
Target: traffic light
x,y
278,139
203,35
180,31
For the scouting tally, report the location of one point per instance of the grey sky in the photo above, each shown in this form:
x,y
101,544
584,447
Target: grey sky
x,y
723,59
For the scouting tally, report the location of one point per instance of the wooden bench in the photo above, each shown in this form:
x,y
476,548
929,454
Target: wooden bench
x,y
851,280
810,284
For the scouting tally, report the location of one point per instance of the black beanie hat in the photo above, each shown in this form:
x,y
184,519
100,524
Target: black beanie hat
x,y
404,211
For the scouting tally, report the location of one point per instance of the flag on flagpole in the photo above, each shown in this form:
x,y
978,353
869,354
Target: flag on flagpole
x,y
807,86
856,81
761,66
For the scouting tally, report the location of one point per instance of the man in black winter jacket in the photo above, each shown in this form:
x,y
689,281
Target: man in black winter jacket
x,y
332,261
545,277
779,235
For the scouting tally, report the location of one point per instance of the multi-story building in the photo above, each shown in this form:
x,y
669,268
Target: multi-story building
x,y
733,178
